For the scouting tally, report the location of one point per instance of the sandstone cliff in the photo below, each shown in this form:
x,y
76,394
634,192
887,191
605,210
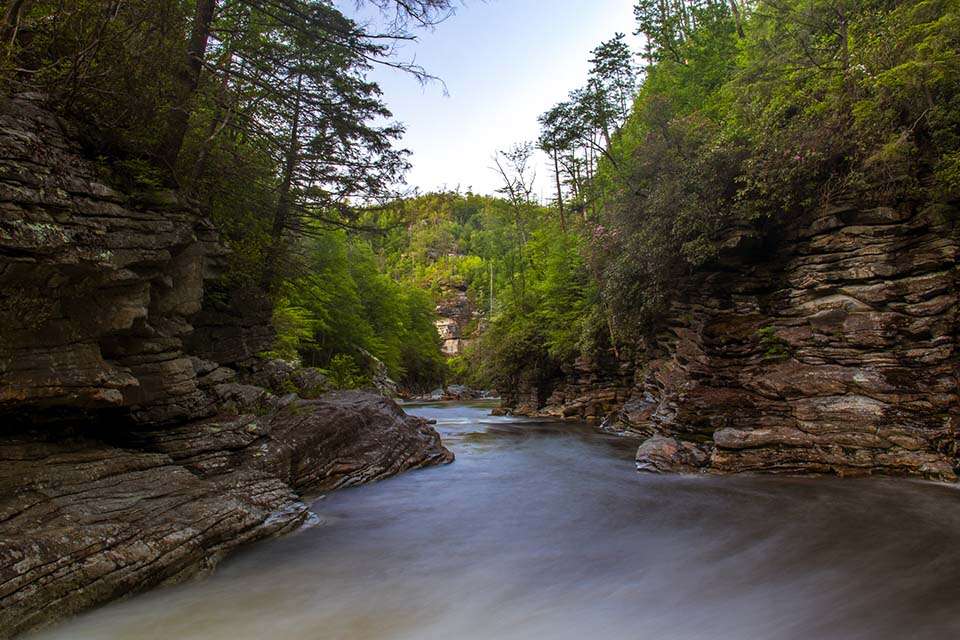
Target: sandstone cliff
x,y
826,345
132,452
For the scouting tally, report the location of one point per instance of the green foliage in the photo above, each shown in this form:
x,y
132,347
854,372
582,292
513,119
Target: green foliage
x,y
773,346
819,100
512,257
344,306
108,63
344,372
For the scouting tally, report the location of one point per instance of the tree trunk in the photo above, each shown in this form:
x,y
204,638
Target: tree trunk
x,y
186,84
11,20
281,214
556,175
220,119
737,16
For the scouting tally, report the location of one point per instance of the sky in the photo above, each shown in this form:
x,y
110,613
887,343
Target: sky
x,y
504,62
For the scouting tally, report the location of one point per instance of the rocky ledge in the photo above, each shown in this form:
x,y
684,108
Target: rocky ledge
x,y
828,344
95,514
134,450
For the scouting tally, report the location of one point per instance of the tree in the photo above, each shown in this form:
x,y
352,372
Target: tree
x,y
515,168
577,133
666,25
313,20
186,82
612,83
331,154
11,20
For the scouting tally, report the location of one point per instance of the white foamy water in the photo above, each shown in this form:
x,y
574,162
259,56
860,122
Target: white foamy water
x,y
545,531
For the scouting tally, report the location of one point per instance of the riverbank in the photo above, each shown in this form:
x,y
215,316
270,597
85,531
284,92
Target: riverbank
x,y
87,517
544,530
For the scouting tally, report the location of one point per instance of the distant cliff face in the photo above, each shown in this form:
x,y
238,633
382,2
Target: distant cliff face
x,y
831,349
456,315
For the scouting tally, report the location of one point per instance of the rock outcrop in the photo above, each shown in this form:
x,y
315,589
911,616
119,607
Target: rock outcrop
x,y
828,345
97,287
90,515
590,390
133,450
457,320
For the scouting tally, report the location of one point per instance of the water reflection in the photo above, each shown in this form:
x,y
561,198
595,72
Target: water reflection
x,y
542,530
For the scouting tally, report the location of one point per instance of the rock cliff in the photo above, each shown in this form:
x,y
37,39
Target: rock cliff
x,y
826,345
132,453
98,286
457,320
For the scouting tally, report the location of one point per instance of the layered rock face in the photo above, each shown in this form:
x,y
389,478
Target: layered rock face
x,y
832,348
96,287
89,516
590,390
130,455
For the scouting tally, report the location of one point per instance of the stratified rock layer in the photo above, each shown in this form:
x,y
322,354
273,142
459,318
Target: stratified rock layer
x,y
96,286
90,516
828,347
457,319
130,455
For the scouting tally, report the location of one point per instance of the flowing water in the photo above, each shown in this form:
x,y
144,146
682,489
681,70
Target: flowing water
x,y
545,531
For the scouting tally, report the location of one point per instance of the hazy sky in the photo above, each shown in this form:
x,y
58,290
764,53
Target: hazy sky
x,y
504,62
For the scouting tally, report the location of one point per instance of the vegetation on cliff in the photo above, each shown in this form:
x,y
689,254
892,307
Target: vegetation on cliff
x,y
735,115
745,115
762,115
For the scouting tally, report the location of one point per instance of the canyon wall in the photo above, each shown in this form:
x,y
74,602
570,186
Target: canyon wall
x,y
135,447
824,345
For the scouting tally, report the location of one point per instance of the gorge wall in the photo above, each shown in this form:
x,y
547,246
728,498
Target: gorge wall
x,y
827,345
136,447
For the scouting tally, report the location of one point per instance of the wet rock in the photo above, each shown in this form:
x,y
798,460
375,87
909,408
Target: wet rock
x,y
661,454
93,516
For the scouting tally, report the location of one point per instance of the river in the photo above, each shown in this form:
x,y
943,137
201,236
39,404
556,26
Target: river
x,y
545,531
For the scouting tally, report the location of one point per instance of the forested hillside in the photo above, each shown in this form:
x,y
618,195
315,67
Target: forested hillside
x,y
729,119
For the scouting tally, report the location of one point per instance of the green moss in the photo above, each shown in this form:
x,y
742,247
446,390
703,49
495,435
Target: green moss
x,y
774,347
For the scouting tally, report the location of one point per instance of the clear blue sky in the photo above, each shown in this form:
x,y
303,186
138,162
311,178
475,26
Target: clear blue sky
x,y
504,62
